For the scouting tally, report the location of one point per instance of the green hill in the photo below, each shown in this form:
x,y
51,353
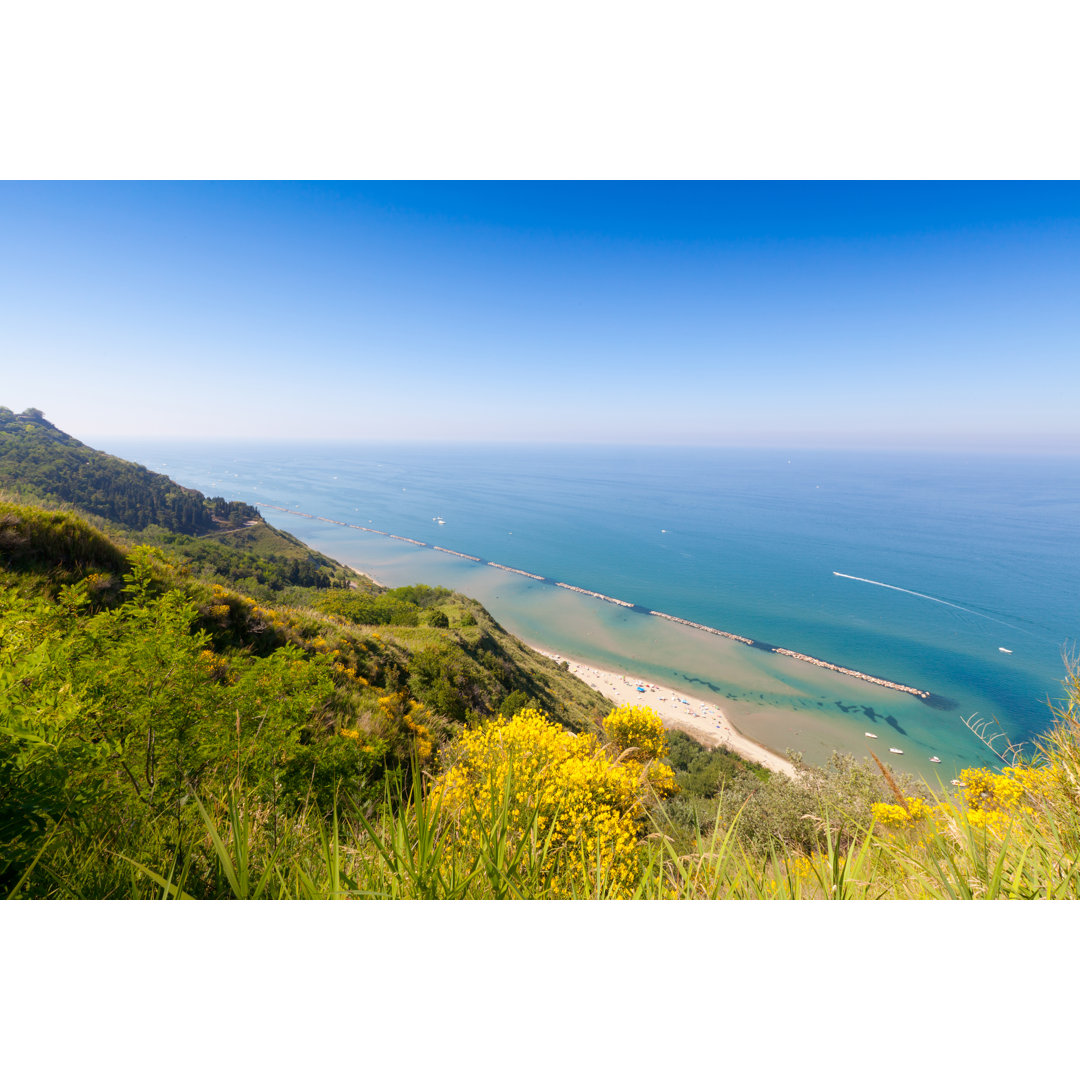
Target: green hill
x,y
40,461
225,541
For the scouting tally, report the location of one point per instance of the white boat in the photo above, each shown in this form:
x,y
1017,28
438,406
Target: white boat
x,y
1001,648
869,734
893,750
936,760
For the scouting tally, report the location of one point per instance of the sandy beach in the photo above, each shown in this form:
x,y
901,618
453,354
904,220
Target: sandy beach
x,y
699,719
370,576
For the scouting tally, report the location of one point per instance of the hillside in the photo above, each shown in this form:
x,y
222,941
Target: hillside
x,y
467,662
42,462
225,541
137,666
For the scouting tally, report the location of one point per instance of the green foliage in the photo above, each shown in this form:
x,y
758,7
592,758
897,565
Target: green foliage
x,y
55,543
38,460
703,771
133,692
367,610
261,574
114,716
423,596
515,702
437,678
410,605
826,806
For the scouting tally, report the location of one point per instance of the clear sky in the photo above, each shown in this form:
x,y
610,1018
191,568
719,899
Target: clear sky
x,y
797,314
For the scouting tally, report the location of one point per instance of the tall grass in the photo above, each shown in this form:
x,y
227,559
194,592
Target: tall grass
x,y
409,846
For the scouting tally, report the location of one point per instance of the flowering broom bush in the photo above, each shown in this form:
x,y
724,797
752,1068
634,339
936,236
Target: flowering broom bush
x,y
637,729
990,800
578,810
637,736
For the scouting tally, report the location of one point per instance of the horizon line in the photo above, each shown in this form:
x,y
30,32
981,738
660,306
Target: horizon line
x,y
998,448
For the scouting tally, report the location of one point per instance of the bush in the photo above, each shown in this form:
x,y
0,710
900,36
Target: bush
x,y
834,804
637,731
550,793
515,701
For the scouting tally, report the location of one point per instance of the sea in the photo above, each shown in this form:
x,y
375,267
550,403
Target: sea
x,y
953,574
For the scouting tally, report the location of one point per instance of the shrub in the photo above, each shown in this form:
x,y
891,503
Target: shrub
x,y
557,795
822,806
638,737
637,731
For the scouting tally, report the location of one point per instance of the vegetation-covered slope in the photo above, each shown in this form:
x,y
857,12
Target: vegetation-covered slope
x,y
224,541
130,686
40,461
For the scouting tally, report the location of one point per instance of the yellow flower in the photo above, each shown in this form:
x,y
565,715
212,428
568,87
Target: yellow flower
x,y
637,729
546,784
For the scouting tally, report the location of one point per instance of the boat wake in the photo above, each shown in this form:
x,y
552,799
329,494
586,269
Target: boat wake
x,y
935,599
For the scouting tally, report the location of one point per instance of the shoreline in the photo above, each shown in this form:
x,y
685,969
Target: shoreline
x,y
370,576
927,697
701,720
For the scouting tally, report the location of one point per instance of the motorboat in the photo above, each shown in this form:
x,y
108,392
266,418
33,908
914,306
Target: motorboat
x,y
936,760
893,750
869,734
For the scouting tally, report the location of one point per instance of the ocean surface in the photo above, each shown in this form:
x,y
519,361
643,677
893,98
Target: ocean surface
x,y
916,568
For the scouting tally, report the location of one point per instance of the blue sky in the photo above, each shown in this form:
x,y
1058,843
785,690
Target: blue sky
x,y
794,314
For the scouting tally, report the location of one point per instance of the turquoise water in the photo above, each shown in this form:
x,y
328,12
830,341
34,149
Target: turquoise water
x,y
747,541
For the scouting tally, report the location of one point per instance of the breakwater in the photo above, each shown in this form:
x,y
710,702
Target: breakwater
x,y
923,695
702,626
597,595
515,570
459,554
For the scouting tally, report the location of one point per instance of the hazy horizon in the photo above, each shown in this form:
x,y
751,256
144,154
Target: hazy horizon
x,y
1051,449
836,316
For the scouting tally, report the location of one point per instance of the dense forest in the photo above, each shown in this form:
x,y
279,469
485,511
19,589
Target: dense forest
x,y
40,461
